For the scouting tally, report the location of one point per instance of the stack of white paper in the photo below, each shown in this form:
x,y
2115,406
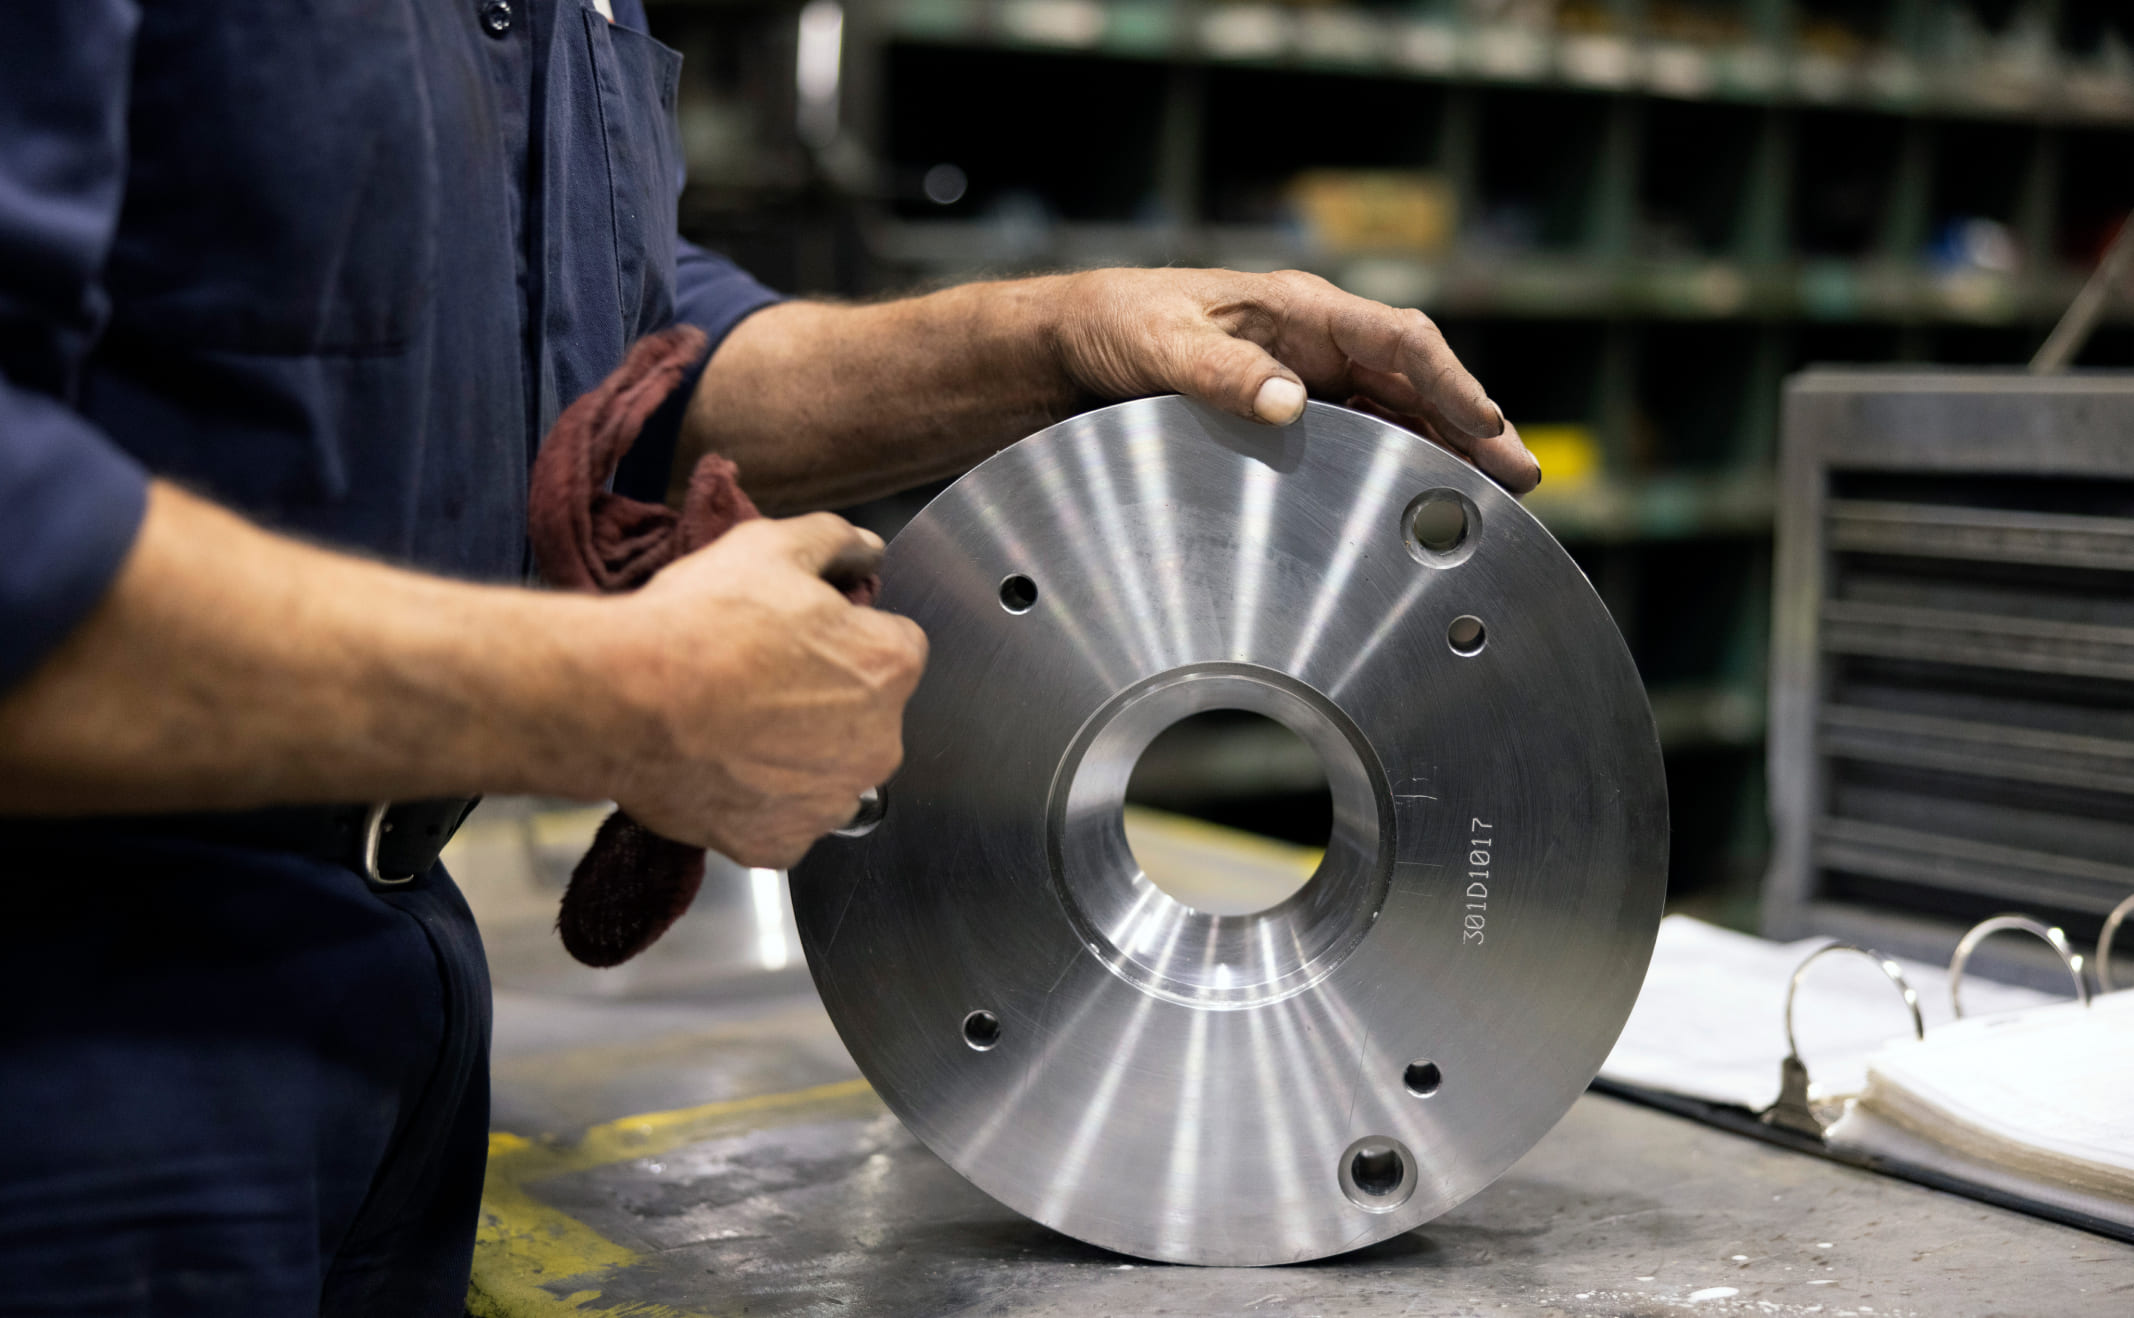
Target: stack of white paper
x,y
2038,1103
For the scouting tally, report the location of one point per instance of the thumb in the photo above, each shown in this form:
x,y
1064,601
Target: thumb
x,y
1239,376
826,545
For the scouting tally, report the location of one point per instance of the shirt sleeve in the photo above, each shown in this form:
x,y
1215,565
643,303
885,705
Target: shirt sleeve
x,y
713,294
71,501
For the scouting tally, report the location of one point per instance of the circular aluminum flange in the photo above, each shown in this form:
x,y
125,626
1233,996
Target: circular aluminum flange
x,y
1284,1085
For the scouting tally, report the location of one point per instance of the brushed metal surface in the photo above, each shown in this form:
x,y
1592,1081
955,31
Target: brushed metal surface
x,y
1200,1088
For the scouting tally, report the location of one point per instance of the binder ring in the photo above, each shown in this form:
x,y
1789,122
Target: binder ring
x,y
2104,943
1793,1111
1984,928
1882,963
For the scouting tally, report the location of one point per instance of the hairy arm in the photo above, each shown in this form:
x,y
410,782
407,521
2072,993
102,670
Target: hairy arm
x,y
228,667
736,701
825,404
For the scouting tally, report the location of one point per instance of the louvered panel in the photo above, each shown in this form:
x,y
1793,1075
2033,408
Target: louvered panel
x,y
2018,875
1985,750
2036,645
1953,671
1987,535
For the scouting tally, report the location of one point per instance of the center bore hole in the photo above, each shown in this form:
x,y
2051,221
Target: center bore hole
x,y
1261,786
1376,1170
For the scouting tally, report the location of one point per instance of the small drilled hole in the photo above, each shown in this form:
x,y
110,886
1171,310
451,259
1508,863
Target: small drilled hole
x,y
1440,525
1376,1171
1018,593
981,1030
1466,635
1422,1078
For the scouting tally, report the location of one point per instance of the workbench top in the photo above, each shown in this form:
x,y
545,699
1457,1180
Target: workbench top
x,y
719,1155
685,1135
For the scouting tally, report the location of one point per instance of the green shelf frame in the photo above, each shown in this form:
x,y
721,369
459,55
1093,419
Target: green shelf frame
x,y
1554,286
1379,43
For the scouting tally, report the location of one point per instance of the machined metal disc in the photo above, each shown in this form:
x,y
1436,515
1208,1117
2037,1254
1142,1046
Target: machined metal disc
x,y
1334,1070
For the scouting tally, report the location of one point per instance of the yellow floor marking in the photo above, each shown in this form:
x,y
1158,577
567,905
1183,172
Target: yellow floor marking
x,y
1219,843
654,1133
523,1246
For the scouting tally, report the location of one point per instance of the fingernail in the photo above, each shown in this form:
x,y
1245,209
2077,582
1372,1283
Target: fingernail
x,y
1500,418
1280,401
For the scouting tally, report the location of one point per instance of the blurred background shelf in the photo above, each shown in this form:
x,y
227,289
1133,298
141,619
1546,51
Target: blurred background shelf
x,y
1542,285
1713,52
1632,218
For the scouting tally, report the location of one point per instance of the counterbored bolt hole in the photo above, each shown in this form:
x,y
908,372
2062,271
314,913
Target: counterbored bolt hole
x,y
1018,593
1422,1078
981,1030
1440,525
1377,1173
869,813
1466,635
1376,1170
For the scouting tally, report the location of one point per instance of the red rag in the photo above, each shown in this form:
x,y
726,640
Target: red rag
x,y
632,884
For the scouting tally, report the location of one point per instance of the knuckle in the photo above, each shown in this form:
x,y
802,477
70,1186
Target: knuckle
x,y
910,661
1417,325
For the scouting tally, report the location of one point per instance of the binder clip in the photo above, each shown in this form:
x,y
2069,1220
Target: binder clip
x,y
1793,1111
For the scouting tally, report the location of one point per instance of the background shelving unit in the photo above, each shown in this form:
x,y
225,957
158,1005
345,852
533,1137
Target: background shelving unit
x,y
1647,213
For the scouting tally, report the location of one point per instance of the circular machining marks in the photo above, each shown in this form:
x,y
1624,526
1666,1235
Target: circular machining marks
x,y
1355,1058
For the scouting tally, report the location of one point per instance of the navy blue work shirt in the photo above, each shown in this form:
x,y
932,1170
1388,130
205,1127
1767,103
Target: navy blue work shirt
x,y
337,265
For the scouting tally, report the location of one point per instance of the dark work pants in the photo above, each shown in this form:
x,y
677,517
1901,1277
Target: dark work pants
x,y
234,1084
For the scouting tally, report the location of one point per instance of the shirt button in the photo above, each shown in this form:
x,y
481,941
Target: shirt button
x,y
496,17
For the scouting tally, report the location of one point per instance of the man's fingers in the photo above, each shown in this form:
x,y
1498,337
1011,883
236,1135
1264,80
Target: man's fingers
x,y
902,644
826,545
1238,375
1409,343
1503,455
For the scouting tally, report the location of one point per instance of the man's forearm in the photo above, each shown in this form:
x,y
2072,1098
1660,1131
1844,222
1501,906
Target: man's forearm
x,y
823,404
826,405
229,667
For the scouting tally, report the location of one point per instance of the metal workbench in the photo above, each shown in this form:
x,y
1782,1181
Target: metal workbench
x,y
686,1136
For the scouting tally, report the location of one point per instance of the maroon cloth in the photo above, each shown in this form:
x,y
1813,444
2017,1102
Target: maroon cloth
x,y
632,884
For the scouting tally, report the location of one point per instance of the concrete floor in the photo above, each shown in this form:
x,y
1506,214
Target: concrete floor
x,y
687,1136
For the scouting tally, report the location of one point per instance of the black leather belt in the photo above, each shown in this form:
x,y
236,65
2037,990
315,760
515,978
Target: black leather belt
x,y
388,843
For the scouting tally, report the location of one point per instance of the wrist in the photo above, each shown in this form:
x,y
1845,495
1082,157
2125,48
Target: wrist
x,y
1061,330
566,721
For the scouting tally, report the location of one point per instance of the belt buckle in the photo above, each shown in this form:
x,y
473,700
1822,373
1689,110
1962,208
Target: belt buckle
x,y
374,827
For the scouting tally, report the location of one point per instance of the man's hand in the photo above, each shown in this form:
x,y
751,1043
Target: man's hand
x,y
766,701
1254,345
736,700
826,405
